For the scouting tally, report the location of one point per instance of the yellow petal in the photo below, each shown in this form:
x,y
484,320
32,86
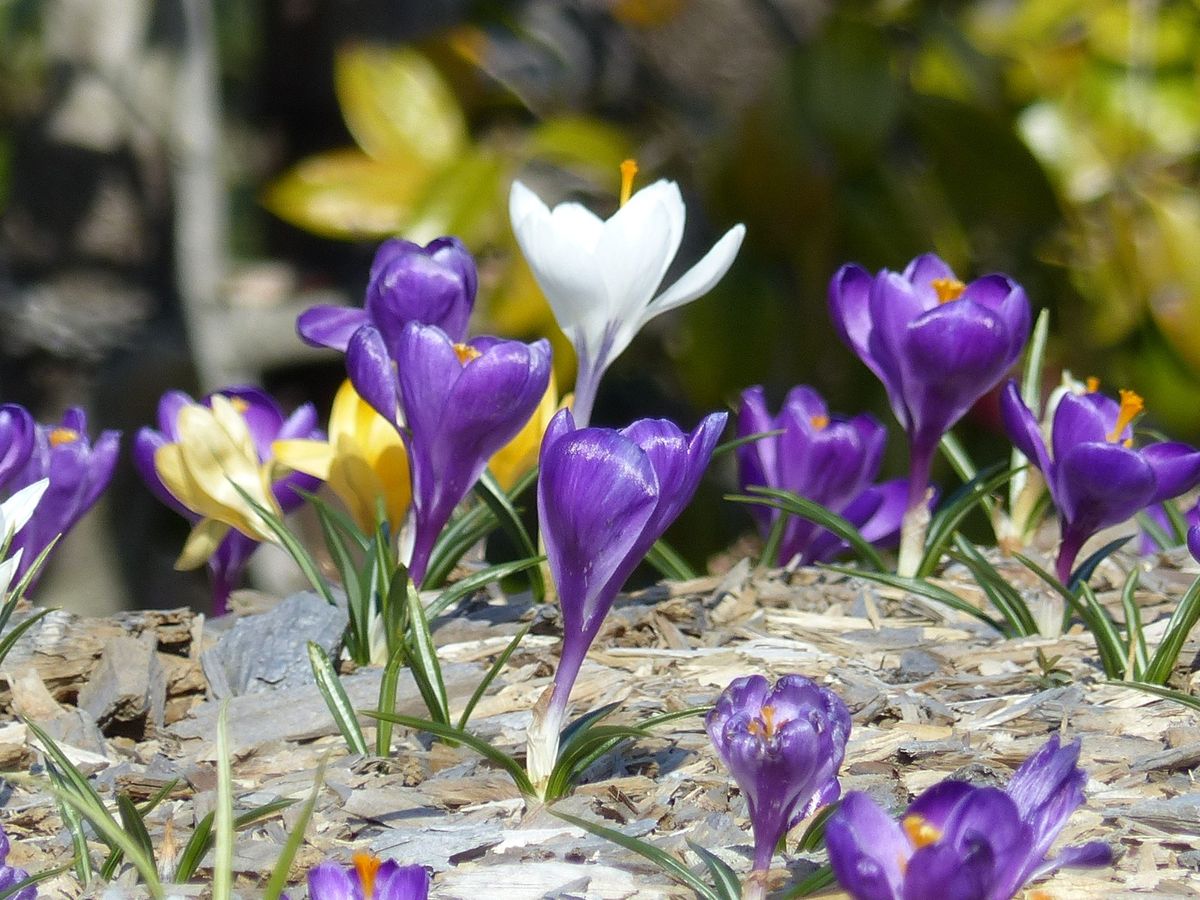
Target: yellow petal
x,y
310,457
206,535
520,454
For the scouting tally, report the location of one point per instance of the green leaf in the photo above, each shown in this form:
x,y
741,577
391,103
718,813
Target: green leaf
x,y
1180,625
1179,524
663,860
1157,533
814,834
817,881
770,550
131,819
580,725
1135,640
113,835
963,465
1085,569
814,512
956,508
82,860
1004,597
279,873
463,533
423,660
339,704
34,879
921,588
725,880
492,672
584,749
222,881
490,492
482,747
290,543
1188,700
1104,630
202,837
10,639
387,701
668,563
477,580
731,445
356,588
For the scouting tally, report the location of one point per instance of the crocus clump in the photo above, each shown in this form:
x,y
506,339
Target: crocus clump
x,y
78,471
827,459
604,498
784,746
964,841
367,878
1096,477
12,875
434,284
199,450
938,345
461,403
600,275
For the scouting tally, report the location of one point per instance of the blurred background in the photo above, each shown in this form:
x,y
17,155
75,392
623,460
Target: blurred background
x,y
179,178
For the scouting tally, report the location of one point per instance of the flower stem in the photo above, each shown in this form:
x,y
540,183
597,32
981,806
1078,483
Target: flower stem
x,y
541,741
1068,550
587,383
755,886
916,515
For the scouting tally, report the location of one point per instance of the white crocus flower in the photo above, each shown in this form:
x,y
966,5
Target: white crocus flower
x,y
14,513
601,275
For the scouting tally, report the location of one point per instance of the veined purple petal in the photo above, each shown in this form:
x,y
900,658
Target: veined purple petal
x,y
330,881
1023,429
145,443
1193,542
945,872
372,372
397,882
849,307
868,851
16,439
330,326
936,803
169,407
1176,468
894,305
922,272
432,285
757,460
1101,485
1081,419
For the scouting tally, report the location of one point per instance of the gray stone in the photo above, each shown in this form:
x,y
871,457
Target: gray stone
x,y
269,651
128,689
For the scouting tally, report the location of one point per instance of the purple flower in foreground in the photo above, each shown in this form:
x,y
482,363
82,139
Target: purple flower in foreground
x,y
938,345
831,461
1095,475
265,423
461,403
78,470
604,498
434,285
962,841
16,439
367,879
11,875
784,746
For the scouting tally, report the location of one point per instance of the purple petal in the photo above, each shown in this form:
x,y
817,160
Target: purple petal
x,y
169,406
1047,788
433,286
867,849
330,326
1101,485
757,460
937,802
261,413
1193,542
396,882
302,423
1024,431
330,881
1093,855
372,372
922,272
894,305
1079,419
849,307
947,872
16,439
1176,468
145,443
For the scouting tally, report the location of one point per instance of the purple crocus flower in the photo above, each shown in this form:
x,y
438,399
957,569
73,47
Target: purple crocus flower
x,y
784,746
1193,542
1157,514
604,498
461,403
367,879
434,284
963,841
16,439
829,460
938,345
1095,475
78,470
11,875
266,423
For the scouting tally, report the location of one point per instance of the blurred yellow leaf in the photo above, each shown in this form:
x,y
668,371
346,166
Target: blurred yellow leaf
x,y
464,199
397,105
1171,267
347,195
580,141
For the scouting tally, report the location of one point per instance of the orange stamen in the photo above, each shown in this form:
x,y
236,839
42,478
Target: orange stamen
x,y
1131,406
61,436
1093,384
629,168
920,832
948,289
466,353
819,422
367,865
239,404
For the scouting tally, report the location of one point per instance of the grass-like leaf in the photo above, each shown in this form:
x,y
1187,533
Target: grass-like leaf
x,y
222,881
1136,656
82,860
339,704
10,639
814,834
1108,640
817,881
477,580
202,836
464,532
387,700
1162,540
1180,625
921,588
1179,524
115,836
964,467
1004,597
585,748
356,587
423,659
1084,571
34,879
769,556
725,880
492,672
1189,700
666,560
579,726
814,512
660,858
957,507
733,443
480,746
501,504
292,545
279,873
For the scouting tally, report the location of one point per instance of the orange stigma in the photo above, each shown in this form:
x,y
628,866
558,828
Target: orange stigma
x,y
920,832
61,436
238,404
466,353
764,726
1093,384
948,289
367,865
819,422
1131,405
629,168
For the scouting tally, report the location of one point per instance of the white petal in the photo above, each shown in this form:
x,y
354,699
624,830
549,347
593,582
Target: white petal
x,y
701,277
17,509
8,568
523,203
577,224
636,249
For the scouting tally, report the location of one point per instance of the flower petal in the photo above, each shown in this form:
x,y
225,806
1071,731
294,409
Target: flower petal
x,y
1101,485
867,849
330,326
1176,468
373,373
700,278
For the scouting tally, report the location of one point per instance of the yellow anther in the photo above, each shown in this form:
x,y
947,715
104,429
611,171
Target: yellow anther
x,y
629,168
466,353
367,865
764,726
1131,405
239,404
819,422
1093,384
63,436
920,832
948,289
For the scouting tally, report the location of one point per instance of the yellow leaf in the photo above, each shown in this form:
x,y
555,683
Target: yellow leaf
x,y
397,105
